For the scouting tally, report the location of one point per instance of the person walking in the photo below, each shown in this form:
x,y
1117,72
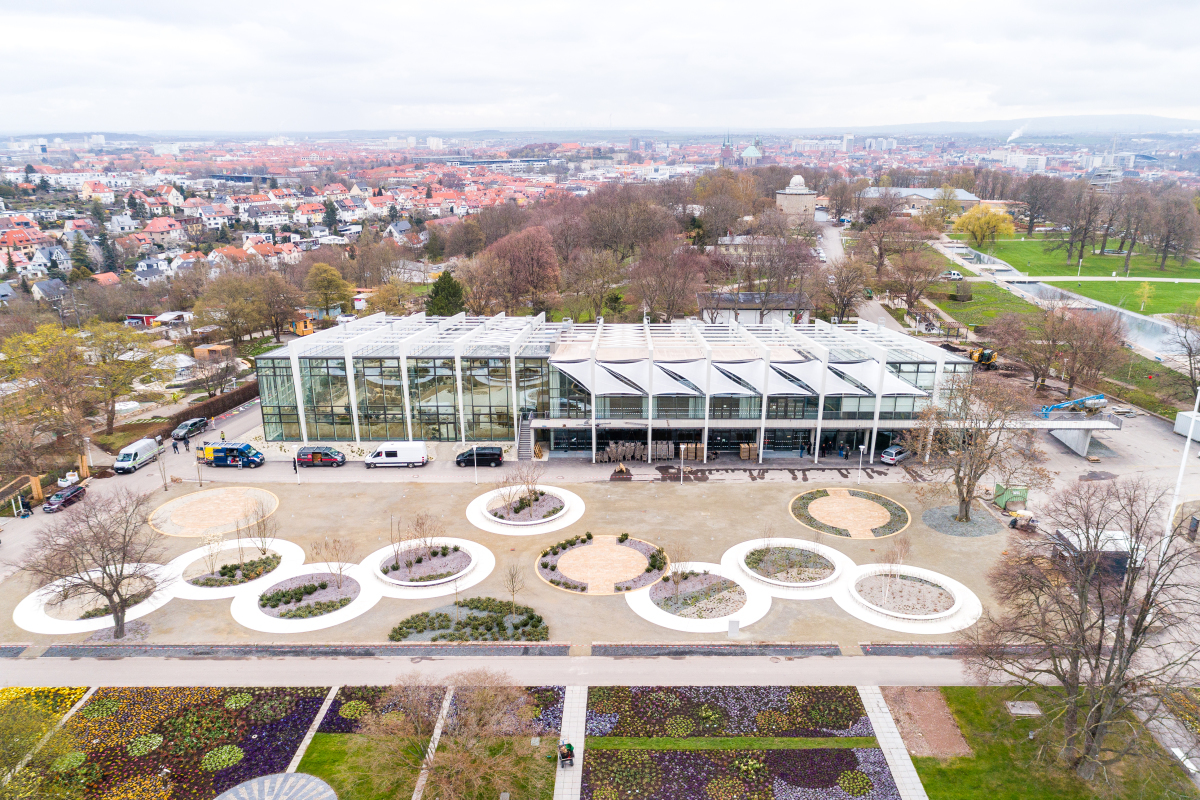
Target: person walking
x,y
222,436
175,446
187,445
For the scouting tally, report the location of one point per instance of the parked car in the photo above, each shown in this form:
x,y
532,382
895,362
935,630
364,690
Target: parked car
x,y
346,318
481,456
894,455
190,428
63,498
320,457
398,454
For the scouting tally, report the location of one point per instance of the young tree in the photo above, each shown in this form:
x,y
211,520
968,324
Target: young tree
x,y
338,555
1184,339
845,286
1098,618
119,357
982,225
514,583
946,204
326,288
976,433
393,297
446,297
278,301
263,528
103,548
592,275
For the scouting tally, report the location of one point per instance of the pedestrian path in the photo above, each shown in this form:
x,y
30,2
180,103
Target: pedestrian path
x,y
888,736
568,781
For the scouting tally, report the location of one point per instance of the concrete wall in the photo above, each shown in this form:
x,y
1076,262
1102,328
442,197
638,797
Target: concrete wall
x,y
1078,440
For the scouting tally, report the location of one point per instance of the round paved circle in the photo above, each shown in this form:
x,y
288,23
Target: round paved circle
x,y
211,511
851,513
602,564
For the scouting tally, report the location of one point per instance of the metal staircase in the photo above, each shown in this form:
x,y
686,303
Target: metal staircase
x,y
525,440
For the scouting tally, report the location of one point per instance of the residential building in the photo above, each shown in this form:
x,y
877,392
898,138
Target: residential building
x,y
917,199
163,230
121,224
48,290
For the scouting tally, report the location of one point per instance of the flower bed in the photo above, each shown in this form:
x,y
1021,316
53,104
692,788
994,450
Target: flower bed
x,y
1184,704
656,564
182,742
478,619
240,572
691,711
540,713
737,774
898,515
904,594
789,564
425,564
548,563
310,595
526,509
699,596
800,511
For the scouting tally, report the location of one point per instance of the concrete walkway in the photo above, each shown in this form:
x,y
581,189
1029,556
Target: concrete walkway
x,y
888,736
568,781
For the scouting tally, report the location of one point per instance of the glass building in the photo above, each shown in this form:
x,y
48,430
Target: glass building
x,y
810,390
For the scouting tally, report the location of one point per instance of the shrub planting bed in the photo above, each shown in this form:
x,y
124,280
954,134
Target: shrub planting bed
x,y
308,596
800,511
181,742
898,517
529,509
722,711
426,564
789,564
548,562
478,619
103,610
698,596
904,594
656,563
242,572
737,774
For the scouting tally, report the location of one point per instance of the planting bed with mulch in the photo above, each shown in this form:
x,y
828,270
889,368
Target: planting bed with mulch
x,y
789,564
182,743
942,519
737,775
548,562
308,595
723,711
898,517
925,722
477,619
522,510
425,564
656,565
904,594
238,572
699,596
540,712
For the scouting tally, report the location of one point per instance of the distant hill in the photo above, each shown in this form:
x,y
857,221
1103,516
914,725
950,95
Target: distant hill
x,y
1033,126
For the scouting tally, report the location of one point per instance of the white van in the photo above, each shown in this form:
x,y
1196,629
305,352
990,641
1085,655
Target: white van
x,y
952,275
143,451
398,454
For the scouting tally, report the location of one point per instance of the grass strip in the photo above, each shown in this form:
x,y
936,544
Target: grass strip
x,y
729,743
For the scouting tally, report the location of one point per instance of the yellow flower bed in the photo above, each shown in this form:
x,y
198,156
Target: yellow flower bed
x,y
134,712
1185,704
57,699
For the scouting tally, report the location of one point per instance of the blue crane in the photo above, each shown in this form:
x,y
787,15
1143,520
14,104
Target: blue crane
x,y
1090,404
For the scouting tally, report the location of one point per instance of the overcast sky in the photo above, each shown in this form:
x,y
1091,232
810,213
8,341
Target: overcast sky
x,y
260,65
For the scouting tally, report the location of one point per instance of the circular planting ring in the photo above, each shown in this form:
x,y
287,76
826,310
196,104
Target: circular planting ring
x,y
758,603
963,612
246,611
599,565
291,556
735,559
482,563
211,511
850,513
479,516
30,614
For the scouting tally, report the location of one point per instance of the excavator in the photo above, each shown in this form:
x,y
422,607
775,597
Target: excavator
x,y
985,357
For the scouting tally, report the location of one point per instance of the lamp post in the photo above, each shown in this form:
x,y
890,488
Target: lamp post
x,y
862,448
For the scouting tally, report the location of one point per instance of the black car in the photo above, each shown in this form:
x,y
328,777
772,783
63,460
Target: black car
x,y
481,456
63,498
190,428
320,457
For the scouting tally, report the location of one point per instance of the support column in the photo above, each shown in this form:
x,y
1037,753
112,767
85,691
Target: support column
x,y
462,417
407,402
352,391
821,408
512,397
297,387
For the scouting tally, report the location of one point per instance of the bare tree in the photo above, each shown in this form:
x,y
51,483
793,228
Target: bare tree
x,y
529,474
1093,341
665,279
845,286
213,544
592,275
263,528
212,376
338,555
1040,194
677,555
1036,340
1097,615
103,549
514,583
423,530
1185,341
1178,225
912,273
894,556
1079,209
975,433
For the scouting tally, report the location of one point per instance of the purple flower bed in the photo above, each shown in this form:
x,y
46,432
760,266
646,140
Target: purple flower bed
x,y
543,717
737,774
690,711
646,578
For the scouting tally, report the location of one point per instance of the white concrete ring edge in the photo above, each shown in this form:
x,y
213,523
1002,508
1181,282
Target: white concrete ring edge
x,y
290,553
246,612
477,514
967,615
483,561
733,560
30,614
758,603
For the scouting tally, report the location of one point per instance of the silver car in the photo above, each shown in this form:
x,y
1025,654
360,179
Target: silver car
x,y
894,455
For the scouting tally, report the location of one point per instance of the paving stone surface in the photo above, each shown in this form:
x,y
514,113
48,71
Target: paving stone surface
x,y
568,781
888,735
793,650
211,511
602,564
855,514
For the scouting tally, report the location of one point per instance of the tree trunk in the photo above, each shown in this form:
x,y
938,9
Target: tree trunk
x,y
964,510
1166,249
110,417
1129,252
1104,240
118,613
1029,229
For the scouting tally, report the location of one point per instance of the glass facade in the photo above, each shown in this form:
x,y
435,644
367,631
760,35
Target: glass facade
x,y
672,406
621,407
432,391
849,407
568,400
379,392
281,420
725,407
533,385
787,407
326,397
487,401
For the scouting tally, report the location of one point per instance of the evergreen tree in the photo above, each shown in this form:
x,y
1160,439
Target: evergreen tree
x,y
435,248
429,192
12,265
79,253
223,234
446,297
330,219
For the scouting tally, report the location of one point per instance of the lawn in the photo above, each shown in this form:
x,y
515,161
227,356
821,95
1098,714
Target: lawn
x,y
1009,765
1030,257
989,301
327,758
1167,297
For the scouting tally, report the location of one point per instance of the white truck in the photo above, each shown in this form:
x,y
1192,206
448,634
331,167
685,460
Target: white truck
x,y
141,452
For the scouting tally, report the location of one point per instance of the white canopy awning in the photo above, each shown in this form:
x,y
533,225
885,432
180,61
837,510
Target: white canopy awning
x,y
811,373
867,373
752,373
718,383
638,373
